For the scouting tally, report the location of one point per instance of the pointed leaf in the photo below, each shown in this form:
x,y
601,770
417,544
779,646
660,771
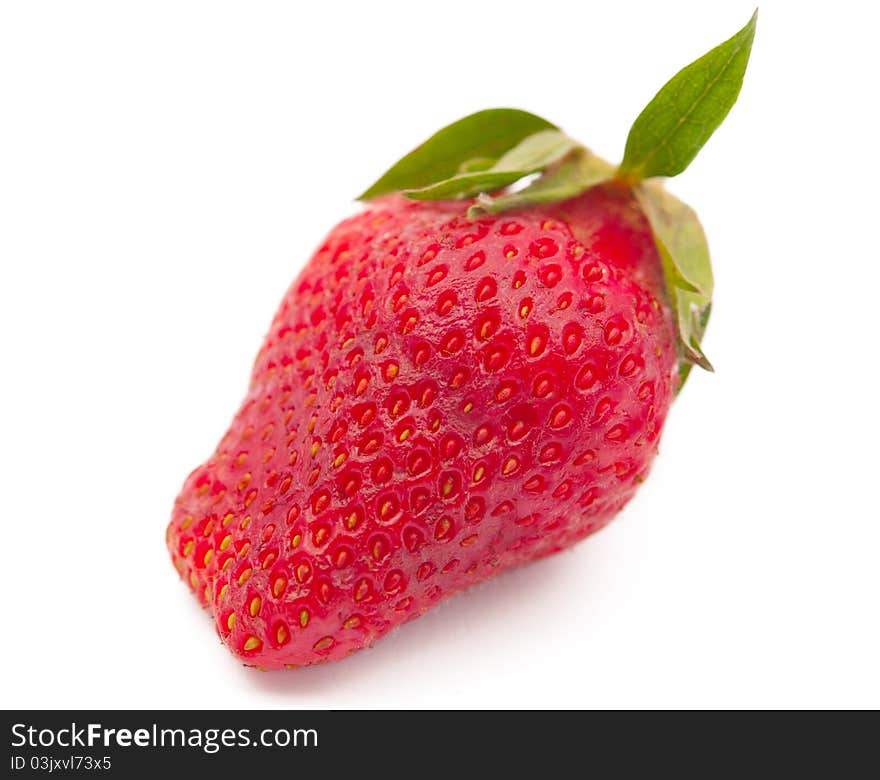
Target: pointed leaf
x,y
687,271
486,134
529,156
467,184
536,152
673,127
476,164
574,175
677,227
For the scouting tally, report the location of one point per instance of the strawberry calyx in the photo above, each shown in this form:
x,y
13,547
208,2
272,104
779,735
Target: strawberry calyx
x,y
506,159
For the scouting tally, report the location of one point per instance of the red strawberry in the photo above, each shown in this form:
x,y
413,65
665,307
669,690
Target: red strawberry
x,y
445,392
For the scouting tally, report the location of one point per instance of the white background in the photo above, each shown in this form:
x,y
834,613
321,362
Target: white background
x,y
166,168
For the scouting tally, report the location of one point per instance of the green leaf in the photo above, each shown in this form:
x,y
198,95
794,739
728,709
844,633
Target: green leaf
x,y
574,175
531,155
684,367
467,184
484,136
536,152
673,127
687,270
676,226
476,164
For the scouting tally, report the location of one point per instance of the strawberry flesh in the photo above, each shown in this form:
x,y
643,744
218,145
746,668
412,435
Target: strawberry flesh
x,y
437,400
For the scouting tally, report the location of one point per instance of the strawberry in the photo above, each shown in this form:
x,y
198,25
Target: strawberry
x,y
463,378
